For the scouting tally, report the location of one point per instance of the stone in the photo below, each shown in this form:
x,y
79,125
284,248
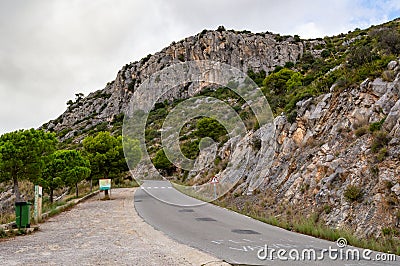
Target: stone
x,y
378,87
329,158
393,117
293,127
391,65
396,189
364,85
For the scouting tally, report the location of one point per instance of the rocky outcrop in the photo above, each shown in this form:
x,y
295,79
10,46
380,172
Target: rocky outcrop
x,y
307,165
245,50
310,163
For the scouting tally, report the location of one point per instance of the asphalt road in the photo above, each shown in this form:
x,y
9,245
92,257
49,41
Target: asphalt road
x,y
233,237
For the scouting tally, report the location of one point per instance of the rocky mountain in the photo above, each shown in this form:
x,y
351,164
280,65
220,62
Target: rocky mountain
x,y
243,50
335,150
329,162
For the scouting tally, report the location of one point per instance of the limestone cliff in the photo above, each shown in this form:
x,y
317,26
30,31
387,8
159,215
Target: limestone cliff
x,y
328,150
326,161
262,51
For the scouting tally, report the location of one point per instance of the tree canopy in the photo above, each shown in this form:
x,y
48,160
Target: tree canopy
x,y
64,167
133,153
209,127
22,155
105,154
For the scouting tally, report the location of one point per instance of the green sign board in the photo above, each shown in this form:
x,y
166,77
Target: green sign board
x,y
105,184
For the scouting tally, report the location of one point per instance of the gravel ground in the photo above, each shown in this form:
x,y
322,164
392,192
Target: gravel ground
x,y
100,232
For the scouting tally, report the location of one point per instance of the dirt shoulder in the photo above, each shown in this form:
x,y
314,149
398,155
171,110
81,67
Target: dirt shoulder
x,y
100,232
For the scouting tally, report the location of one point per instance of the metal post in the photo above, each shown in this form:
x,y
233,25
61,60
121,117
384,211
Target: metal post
x,y
37,213
215,191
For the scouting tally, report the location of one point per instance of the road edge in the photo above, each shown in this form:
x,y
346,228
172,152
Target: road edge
x,y
188,253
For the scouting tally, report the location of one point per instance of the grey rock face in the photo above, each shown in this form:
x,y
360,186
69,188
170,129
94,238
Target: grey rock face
x,y
240,50
319,156
307,164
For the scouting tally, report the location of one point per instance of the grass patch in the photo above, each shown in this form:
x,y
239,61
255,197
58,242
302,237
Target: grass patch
x,y
380,140
389,243
7,217
361,131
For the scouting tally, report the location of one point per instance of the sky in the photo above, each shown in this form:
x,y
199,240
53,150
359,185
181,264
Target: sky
x,y
52,49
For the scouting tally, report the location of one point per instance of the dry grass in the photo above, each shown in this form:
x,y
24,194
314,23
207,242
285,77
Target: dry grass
x,y
7,217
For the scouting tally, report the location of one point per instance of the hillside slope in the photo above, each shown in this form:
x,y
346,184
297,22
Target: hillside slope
x,y
242,50
335,151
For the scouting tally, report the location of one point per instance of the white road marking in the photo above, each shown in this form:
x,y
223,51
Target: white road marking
x,y
154,187
239,249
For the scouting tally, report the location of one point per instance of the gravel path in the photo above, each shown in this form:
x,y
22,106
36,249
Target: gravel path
x,y
100,232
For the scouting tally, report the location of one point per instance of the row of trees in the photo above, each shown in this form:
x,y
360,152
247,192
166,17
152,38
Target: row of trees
x,y
33,155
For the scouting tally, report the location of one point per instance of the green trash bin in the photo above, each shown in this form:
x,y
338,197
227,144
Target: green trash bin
x,y
22,214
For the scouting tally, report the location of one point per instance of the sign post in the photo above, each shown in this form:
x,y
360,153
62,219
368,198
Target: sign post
x,y
37,213
105,185
214,181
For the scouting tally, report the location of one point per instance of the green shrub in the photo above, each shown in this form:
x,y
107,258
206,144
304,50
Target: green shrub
x,y
131,85
307,58
361,131
256,144
257,77
377,125
380,140
209,127
277,82
327,208
325,53
359,55
217,160
388,40
161,161
289,64
352,193
389,231
388,75
382,154
221,28
374,171
181,57
291,117
190,149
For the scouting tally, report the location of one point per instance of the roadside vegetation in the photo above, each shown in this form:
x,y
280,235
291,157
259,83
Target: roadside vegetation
x,y
329,64
313,225
30,157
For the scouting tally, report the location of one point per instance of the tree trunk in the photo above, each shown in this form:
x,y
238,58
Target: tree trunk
x,y
16,190
51,195
91,184
76,188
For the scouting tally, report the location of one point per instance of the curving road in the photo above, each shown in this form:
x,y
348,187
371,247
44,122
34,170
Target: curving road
x,y
233,237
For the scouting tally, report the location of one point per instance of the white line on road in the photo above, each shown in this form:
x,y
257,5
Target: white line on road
x,y
154,187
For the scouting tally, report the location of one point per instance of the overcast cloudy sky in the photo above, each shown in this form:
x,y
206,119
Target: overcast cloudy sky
x,y
52,49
